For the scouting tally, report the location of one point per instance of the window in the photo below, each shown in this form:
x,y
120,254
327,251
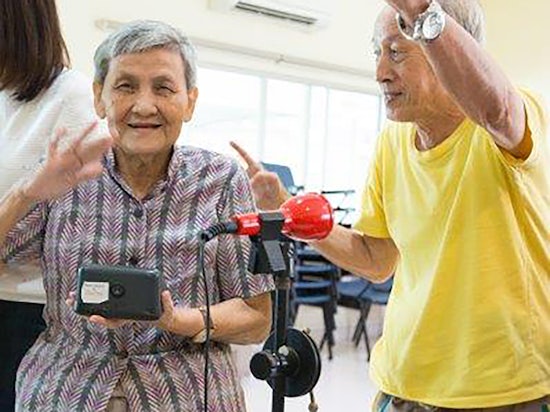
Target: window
x,y
351,134
285,126
228,108
325,135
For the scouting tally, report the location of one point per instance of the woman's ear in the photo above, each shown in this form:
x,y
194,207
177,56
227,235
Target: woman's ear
x,y
192,96
98,103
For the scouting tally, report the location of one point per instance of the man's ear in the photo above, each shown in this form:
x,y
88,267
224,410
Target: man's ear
x,y
98,103
192,96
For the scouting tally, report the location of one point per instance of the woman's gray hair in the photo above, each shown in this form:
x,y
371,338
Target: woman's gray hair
x,y
468,14
140,36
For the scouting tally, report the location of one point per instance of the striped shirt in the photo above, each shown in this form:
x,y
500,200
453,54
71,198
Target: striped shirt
x,y
75,365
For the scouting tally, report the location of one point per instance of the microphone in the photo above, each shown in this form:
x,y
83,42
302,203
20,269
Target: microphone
x,y
305,217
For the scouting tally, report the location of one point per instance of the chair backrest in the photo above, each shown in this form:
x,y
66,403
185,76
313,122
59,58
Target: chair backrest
x,y
384,286
312,272
285,174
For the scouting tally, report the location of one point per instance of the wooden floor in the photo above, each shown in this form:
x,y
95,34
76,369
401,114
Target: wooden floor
x,y
344,384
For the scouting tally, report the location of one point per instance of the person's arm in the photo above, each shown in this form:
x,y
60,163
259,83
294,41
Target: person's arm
x,y
237,320
370,257
13,207
366,256
475,81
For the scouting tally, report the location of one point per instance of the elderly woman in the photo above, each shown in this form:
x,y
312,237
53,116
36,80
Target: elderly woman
x,y
141,203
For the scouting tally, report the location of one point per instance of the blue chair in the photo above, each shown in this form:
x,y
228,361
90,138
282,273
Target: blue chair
x,y
314,284
285,175
358,293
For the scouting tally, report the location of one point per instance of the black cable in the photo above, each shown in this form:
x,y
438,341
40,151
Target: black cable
x,y
218,229
205,236
206,347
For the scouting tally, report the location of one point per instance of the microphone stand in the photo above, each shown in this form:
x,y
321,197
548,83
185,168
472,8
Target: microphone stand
x,y
290,361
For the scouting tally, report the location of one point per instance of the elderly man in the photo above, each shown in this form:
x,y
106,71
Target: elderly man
x,y
141,203
457,205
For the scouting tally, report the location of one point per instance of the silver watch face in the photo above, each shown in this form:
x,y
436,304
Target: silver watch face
x,y
433,26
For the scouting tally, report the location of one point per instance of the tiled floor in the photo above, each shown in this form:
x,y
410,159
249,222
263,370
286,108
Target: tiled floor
x,y
344,384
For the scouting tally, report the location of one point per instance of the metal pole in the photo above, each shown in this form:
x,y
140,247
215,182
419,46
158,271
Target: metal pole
x,y
282,283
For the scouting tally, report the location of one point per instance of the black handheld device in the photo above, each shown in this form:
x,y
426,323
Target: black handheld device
x,y
119,292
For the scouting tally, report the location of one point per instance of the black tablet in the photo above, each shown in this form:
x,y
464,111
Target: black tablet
x,y
119,292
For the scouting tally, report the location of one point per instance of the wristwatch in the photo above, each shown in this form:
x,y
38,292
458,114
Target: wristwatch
x,y
427,27
200,337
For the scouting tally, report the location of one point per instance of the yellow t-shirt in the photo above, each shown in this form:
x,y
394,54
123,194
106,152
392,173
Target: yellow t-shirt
x,y
468,321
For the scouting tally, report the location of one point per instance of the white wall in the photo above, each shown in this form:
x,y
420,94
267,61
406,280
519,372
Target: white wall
x,y
519,38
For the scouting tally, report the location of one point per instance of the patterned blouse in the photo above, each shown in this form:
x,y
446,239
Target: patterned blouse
x,y
74,365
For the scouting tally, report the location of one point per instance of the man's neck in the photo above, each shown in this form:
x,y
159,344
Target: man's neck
x,y
437,127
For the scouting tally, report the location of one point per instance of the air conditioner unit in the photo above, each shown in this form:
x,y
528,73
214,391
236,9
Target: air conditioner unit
x,y
305,12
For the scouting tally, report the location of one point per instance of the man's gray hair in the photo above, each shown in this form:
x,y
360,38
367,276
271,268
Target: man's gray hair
x,y
469,14
140,36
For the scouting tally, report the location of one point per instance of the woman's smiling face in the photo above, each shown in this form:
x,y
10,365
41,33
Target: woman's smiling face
x,y
146,100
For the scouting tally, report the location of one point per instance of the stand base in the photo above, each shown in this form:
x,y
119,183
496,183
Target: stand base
x,y
309,369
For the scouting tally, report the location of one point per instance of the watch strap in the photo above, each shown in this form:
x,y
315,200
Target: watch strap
x,y
415,33
200,337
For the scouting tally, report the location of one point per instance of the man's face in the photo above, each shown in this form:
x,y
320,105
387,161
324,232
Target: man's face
x,y
406,78
145,99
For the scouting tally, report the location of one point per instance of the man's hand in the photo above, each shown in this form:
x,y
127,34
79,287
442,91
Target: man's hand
x,y
409,9
269,192
64,168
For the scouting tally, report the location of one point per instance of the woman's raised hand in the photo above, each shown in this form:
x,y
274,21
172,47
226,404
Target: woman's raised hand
x,y
67,166
269,192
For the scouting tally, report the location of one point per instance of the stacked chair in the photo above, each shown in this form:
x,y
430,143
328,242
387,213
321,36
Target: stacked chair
x,y
314,284
361,294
